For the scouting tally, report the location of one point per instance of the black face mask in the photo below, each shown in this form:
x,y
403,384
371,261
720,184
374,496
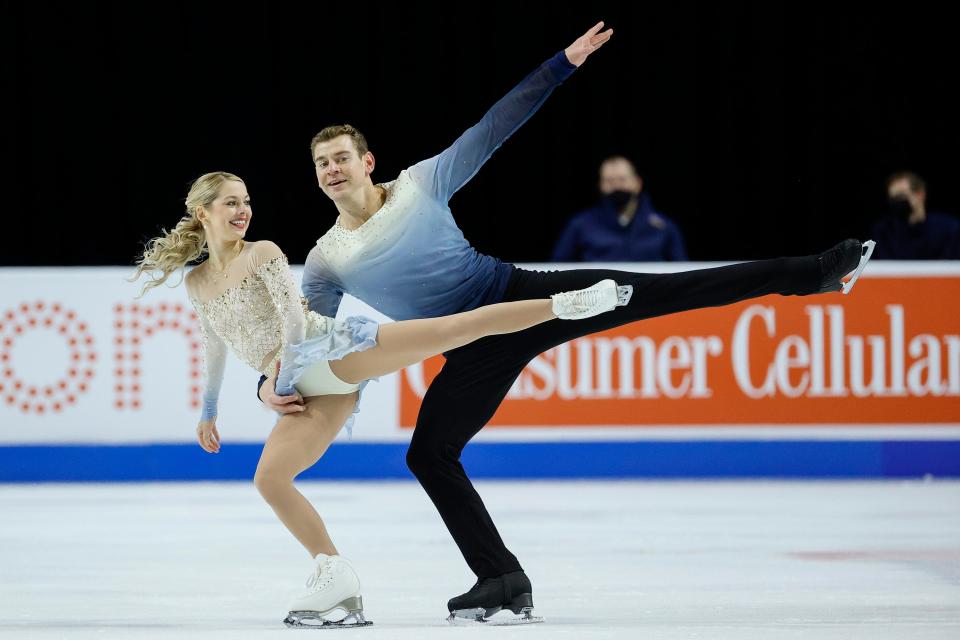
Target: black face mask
x,y
900,206
618,199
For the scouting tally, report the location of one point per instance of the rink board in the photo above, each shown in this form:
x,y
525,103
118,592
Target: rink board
x,y
95,385
536,460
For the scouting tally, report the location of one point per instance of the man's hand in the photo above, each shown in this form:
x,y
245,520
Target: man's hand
x,y
280,404
587,44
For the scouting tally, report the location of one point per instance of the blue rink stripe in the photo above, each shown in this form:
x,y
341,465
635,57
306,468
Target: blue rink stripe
x,y
533,460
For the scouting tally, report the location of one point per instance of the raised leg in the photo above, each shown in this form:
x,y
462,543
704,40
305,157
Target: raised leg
x,y
401,344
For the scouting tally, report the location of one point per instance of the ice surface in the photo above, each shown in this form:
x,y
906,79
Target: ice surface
x,y
644,560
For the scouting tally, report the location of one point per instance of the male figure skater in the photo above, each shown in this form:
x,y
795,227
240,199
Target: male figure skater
x,y
397,247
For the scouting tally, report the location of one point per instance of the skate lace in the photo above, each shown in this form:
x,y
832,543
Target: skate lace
x,y
321,577
581,299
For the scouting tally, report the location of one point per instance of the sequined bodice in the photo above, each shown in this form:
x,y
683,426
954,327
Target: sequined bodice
x,y
248,317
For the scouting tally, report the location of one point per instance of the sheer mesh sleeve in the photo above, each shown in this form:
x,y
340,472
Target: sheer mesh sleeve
x,y
283,290
214,361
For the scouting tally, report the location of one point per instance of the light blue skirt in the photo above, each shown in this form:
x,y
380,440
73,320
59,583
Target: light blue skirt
x,y
326,340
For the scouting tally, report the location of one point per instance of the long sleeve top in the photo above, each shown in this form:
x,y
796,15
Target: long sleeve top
x,y
257,312
410,259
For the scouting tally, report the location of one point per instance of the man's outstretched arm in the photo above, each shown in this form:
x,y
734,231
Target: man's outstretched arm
x,y
444,174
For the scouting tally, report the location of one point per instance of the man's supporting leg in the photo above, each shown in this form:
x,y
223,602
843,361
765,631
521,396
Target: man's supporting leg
x,y
475,378
459,402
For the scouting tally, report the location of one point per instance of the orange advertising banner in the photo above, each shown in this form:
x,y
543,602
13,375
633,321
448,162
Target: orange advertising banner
x,y
889,353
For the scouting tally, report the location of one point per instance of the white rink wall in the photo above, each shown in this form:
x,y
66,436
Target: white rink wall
x,y
96,369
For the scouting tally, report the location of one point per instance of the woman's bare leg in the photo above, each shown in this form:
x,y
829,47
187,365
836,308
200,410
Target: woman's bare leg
x,y
296,443
401,344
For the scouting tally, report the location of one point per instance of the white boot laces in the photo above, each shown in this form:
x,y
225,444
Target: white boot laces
x,y
321,577
583,299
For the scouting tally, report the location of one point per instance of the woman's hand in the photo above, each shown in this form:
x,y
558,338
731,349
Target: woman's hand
x,y
208,436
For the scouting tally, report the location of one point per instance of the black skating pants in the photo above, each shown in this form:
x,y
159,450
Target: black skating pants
x,y
476,377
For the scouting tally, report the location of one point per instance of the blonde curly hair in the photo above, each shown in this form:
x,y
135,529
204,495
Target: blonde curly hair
x,y
186,242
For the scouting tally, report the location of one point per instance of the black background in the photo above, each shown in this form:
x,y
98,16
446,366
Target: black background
x,y
763,129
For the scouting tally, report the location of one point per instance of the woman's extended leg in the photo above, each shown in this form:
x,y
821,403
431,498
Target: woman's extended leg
x,y
401,344
296,443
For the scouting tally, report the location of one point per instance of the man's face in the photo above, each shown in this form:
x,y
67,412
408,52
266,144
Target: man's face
x,y
340,169
901,188
619,175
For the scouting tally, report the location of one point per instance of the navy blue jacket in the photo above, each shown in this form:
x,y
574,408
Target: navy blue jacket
x,y
595,235
936,238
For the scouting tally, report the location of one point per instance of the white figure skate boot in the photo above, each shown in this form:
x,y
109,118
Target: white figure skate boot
x,y
333,586
592,301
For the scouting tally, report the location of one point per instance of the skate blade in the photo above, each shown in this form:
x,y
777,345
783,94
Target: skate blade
x,y
315,620
624,293
864,258
479,617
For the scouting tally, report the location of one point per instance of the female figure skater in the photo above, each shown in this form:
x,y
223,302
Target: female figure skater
x,y
246,298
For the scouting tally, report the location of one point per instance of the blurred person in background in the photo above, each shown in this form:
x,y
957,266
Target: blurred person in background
x,y
623,226
909,231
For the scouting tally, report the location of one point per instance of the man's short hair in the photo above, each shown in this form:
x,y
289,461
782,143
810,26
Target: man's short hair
x,y
916,183
620,158
329,133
